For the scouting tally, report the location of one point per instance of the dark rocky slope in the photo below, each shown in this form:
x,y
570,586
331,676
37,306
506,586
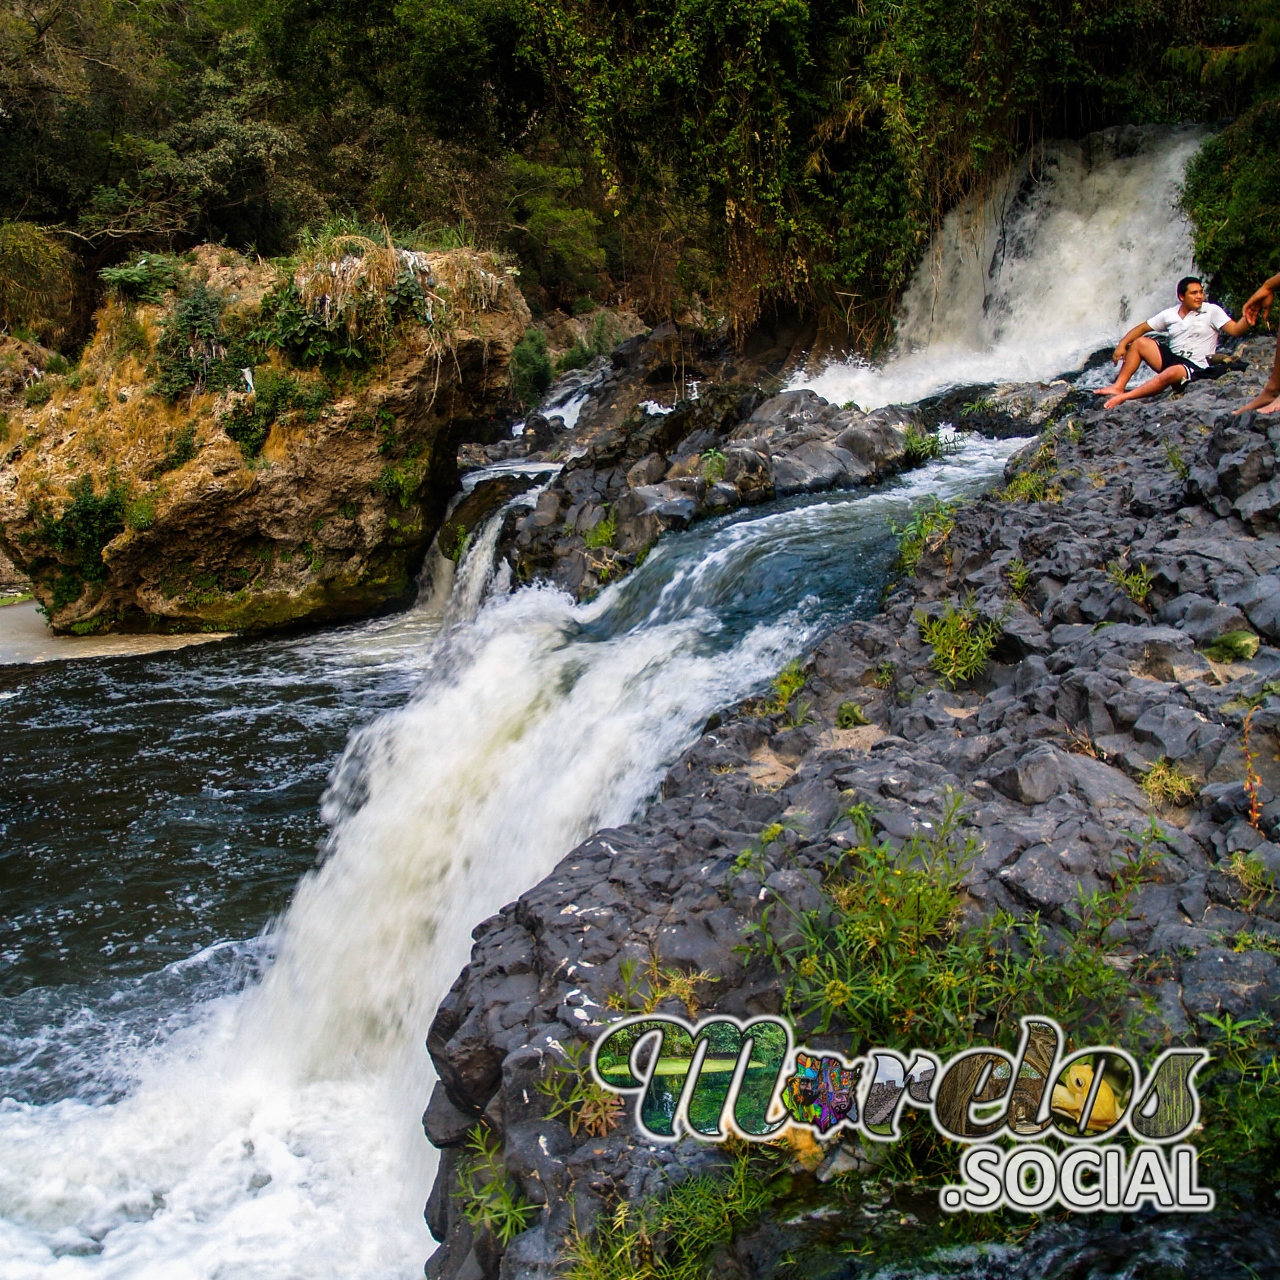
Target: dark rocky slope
x,y
1085,689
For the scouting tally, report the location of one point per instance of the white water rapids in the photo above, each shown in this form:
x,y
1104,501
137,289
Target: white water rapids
x,y
275,1132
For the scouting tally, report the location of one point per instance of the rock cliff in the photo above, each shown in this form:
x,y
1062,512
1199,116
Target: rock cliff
x,y
139,491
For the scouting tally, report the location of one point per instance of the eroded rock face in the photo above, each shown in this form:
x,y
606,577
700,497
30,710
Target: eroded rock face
x,y
128,512
1087,689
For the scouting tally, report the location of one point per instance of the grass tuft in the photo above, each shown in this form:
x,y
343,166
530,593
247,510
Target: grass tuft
x,y
1167,782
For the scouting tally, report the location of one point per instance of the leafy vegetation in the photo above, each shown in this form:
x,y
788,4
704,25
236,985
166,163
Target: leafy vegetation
x,y
1177,463
850,716
573,1093
928,530
1135,583
602,533
673,1238
275,394
531,371
488,1201
1034,479
35,281
181,449
961,643
78,536
920,446
719,160
1018,577
891,960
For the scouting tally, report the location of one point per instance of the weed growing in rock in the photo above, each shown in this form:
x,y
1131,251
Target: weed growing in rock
x,y
602,534
1018,576
401,480
961,644
662,984
573,1093
1033,483
1240,1107
38,393
1177,463
984,404
140,514
1269,689
675,1237
713,466
1135,583
891,960
604,337
800,714
927,530
488,1201
1167,782
1235,646
1256,881
885,673
920,446
850,716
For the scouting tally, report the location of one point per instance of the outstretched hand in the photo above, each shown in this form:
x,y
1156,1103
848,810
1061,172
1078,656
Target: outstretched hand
x,y
1258,304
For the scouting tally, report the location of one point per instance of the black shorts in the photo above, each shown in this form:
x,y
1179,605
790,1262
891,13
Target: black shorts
x,y
1195,372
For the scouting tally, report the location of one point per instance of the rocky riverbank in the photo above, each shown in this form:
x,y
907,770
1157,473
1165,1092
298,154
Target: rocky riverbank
x,y
1072,658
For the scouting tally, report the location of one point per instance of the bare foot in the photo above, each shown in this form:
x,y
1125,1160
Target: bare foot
x,y
1115,400
1112,390
1271,407
1264,397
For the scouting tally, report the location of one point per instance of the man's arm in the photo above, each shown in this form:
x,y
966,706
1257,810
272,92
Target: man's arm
x,y
1249,317
1132,336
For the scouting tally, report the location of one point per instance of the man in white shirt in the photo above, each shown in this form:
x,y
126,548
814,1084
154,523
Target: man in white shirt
x,y
1188,337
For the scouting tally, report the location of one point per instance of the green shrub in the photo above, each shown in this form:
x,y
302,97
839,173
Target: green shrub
x,y
38,393
920,446
577,357
275,393
927,530
1135,583
1018,576
674,1237
850,716
961,644
79,535
286,324
35,280
146,280
714,465
181,449
192,351
531,371
1232,195
1177,463
140,514
401,480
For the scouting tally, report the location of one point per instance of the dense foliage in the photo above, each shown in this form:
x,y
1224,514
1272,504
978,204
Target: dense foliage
x,y
706,158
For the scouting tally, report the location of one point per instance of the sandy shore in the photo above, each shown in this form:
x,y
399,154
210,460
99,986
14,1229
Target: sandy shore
x,y
25,638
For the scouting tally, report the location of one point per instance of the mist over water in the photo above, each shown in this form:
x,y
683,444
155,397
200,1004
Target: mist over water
x,y
1059,260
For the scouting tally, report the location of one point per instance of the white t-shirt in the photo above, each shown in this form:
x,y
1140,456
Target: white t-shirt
x,y
1194,335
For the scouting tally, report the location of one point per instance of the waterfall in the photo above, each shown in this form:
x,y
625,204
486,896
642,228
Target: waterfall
x,y
1075,244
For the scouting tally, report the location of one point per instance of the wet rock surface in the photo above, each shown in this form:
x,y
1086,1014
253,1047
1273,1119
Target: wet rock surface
x,y
1087,688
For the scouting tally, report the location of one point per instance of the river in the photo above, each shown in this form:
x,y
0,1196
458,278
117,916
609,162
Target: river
x,y
237,879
